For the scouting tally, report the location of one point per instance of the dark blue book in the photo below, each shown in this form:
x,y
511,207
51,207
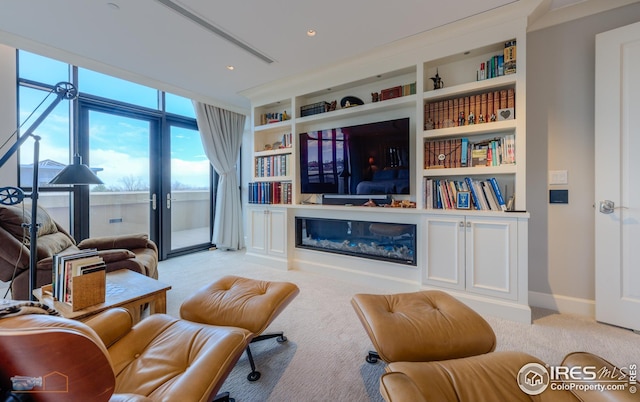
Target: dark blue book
x,y
498,193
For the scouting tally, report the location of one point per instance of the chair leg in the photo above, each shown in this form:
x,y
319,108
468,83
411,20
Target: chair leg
x,y
372,357
254,375
223,397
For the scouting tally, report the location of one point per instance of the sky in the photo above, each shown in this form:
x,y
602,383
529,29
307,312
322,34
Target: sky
x,y
118,145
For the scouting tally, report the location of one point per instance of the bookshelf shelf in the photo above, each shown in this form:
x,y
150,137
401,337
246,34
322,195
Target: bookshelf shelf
x,y
279,151
471,171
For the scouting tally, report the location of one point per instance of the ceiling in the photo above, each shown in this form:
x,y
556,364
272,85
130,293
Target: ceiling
x,y
169,44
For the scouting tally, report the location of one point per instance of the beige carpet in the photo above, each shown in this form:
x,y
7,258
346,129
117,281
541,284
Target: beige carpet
x,y
324,357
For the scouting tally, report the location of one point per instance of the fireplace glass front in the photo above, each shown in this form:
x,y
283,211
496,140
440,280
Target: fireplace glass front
x,y
393,242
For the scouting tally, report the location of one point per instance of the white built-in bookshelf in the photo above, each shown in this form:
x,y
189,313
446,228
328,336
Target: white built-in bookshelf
x,y
478,254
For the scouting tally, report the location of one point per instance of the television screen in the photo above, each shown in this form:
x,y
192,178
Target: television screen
x,y
365,159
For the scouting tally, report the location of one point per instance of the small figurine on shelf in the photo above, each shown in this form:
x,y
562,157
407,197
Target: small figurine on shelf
x,y
285,116
374,96
493,117
461,119
437,81
429,124
472,118
481,118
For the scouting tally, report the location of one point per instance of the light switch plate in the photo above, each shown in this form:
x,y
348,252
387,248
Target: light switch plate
x,y
558,177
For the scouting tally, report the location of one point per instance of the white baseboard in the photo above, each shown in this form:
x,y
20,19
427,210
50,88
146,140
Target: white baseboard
x,y
563,304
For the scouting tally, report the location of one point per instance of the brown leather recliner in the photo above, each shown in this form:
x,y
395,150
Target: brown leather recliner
x,y
495,377
135,252
106,359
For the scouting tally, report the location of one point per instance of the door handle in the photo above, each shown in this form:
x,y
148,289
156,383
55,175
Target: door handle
x,y
154,202
608,206
169,199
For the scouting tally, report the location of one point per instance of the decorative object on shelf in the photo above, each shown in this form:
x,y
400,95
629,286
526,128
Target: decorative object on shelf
x,y
374,96
401,204
472,118
505,114
349,101
268,147
276,145
438,83
332,106
370,203
464,200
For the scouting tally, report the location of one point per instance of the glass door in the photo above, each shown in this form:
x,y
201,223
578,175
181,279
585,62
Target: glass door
x,y
120,151
187,204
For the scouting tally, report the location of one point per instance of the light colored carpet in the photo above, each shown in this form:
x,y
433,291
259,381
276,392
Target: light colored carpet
x,y
324,357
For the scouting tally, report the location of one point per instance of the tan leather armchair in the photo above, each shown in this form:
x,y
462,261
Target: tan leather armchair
x,y
106,359
135,252
494,377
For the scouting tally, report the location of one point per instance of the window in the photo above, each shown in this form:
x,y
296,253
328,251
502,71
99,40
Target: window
x,y
143,143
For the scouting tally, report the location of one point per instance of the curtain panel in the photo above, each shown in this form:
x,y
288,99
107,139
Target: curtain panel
x,y
221,132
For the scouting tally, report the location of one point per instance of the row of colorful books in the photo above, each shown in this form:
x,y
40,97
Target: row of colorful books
x,y
500,64
270,192
481,194
66,266
272,166
460,152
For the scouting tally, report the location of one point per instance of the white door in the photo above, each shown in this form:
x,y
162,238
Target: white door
x,y
617,177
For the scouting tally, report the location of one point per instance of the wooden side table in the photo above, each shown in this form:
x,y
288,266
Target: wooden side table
x,y
124,288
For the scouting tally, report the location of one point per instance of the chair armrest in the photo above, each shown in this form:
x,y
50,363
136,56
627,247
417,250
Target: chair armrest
x,y
583,359
129,242
396,387
111,325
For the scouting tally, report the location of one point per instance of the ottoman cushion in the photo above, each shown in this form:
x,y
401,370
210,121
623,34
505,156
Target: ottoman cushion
x,y
239,302
422,326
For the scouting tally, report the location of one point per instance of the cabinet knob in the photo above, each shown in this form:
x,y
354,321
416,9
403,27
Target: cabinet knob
x,y
461,224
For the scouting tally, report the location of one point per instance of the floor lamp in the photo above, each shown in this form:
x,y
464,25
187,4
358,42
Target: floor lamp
x,y
69,175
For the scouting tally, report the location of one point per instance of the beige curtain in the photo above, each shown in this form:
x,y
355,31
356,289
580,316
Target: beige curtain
x,y
221,133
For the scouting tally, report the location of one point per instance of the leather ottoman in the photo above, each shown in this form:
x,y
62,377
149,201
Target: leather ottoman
x,y
422,326
235,301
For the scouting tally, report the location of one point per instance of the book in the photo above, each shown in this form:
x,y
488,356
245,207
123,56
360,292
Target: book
x,y
472,190
498,193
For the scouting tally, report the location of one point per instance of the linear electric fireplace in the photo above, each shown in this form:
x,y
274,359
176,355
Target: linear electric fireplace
x,y
393,242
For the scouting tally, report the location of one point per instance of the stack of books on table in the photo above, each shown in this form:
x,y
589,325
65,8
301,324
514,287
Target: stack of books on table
x,y
68,266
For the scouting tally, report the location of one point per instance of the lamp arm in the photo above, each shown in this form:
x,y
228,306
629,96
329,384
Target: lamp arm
x,y
64,91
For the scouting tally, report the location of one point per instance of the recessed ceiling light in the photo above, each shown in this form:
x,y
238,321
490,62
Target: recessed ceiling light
x,y
113,6
311,33
231,68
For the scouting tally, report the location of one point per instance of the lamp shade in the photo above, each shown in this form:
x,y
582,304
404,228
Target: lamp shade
x,y
76,173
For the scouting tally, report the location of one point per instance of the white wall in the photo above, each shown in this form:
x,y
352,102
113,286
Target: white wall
x,y
8,173
560,136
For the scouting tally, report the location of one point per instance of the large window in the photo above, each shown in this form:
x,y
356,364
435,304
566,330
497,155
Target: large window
x,y
142,143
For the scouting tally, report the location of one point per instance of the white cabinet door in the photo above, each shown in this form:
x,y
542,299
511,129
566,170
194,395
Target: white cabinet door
x,y
277,232
492,256
268,231
444,255
257,230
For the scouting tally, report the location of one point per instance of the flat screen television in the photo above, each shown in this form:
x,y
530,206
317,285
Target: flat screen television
x,y
365,159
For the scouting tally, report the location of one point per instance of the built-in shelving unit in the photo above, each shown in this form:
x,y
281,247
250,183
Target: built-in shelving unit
x,y
492,279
